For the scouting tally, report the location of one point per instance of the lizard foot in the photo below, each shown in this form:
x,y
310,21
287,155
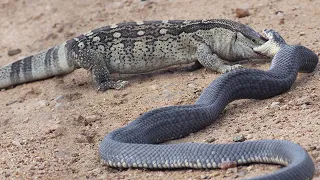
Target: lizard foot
x,y
112,85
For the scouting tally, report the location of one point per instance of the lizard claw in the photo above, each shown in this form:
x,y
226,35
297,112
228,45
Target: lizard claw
x,y
112,85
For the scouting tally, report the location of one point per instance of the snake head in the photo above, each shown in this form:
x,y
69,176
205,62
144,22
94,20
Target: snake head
x,y
273,45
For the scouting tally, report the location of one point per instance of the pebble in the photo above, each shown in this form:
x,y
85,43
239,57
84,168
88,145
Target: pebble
x,y
242,173
59,98
14,52
59,131
167,94
302,33
61,154
204,177
215,174
16,142
275,105
281,21
192,85
92,118
7,174
81,139
304,100
26,120
58,105
210,139
240,13
249,136
304,106
284,107
43,103
232,170
249,168
239,138
56,130
154,87
279,13
311,148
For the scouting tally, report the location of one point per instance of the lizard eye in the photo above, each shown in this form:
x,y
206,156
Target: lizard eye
x,y
253,40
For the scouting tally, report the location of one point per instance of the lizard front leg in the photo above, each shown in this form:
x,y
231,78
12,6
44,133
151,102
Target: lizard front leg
x,y
96,64
212,61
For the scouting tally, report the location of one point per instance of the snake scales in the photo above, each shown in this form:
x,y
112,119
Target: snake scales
x,y
137,144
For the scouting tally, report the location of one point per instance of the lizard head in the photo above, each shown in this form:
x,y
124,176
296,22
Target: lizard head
x,y
245,39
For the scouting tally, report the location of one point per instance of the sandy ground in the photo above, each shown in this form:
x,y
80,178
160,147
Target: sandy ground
x,y
51,129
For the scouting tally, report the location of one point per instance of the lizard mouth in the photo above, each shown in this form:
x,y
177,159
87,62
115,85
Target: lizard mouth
x,y
264,38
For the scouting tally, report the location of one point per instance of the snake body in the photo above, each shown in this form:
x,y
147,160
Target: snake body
x,y
137,144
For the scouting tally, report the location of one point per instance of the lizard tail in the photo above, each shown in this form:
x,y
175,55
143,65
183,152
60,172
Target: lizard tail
x,y
55,61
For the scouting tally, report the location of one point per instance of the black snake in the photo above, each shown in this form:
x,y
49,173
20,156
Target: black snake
x,y
137,144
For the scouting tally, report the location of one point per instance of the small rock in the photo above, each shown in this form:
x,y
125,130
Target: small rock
x,y
56,130
239,138
81,139
242,173
302,33
43,103
304,100
318,159
192,85
232,170
58,105
210,140
311,148
281,21
279,13
41,167
61,154
92,118
16,142
249,136
59,98
154,87
284,107
240,13
249,168
304,106
26,120
215,174
275,105
167,94
59,131
7,174
14,52
51,36
204,177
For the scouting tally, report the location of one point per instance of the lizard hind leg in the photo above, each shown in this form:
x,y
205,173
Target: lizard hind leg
x,y
101,75
102,81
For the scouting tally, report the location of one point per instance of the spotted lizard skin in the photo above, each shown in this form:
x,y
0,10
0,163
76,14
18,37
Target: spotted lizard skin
x,y
140,47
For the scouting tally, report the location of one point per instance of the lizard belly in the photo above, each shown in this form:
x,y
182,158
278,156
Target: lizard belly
x,y
143,58
143,65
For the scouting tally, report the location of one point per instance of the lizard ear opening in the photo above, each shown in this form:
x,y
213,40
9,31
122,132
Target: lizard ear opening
x,y
236,36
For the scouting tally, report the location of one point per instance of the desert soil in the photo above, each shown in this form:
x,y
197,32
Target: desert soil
x,y
51,129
